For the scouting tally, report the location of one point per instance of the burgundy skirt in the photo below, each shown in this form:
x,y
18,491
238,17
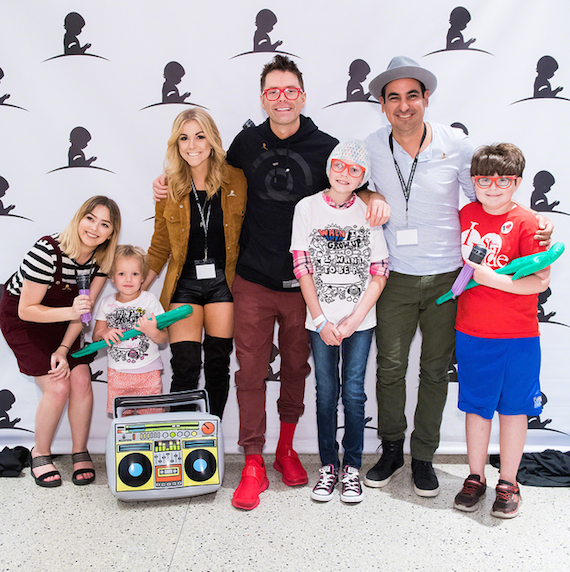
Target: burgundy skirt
x,y
33,344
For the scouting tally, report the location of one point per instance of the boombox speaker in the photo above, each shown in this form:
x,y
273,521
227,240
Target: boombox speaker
x,y
164,455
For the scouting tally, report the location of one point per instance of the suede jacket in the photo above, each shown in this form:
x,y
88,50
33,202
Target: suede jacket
x,y
172,228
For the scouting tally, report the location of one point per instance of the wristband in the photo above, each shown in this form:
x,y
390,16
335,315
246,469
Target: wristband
x,y
63,346
320,328
318,319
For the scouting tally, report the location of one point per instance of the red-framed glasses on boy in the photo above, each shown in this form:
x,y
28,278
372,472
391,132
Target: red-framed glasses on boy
x,y
291,93
339,166
503,182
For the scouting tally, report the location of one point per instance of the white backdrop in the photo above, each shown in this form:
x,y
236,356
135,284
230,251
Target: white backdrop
x,y
114,91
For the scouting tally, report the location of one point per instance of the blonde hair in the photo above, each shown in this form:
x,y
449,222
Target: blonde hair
x,y
178,172
130,251
104,254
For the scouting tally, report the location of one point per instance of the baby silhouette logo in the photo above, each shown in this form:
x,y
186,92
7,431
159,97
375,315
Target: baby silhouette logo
x,y
358,71
173,74
7,399
458,20
546,67
73,25
543,316
6,96
79,138
535,422
6,210
265,21
543,182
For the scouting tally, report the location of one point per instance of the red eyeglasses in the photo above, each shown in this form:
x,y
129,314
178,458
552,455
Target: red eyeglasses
x,y
503,182
339,166
291,93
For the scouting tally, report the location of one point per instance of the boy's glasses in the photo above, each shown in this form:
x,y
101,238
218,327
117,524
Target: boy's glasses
x,y
339,166
291,93
503,182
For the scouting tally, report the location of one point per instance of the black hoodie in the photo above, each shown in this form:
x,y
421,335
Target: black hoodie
x,y
279,172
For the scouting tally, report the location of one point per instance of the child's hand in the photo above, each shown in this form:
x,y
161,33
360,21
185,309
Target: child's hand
x,y
483,275
147,325
347,327
112,336
330,335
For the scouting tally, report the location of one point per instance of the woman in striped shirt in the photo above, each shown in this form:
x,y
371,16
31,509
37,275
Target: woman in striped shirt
x,y
40,317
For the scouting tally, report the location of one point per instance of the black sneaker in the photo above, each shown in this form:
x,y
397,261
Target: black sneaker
x,y
507,501
425,481
324,489
471,493
390,464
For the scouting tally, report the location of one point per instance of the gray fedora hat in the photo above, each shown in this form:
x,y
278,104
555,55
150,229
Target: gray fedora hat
x,y
402,67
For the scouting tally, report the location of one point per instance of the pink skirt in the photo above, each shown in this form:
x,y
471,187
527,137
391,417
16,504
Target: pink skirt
x,y
120,384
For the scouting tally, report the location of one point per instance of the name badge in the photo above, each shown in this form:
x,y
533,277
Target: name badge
x,y
205,270
407,237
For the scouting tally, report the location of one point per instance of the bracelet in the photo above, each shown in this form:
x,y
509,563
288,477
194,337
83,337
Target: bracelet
x,y
320,328
63,346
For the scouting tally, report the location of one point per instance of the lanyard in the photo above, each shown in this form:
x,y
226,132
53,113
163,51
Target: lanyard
x,y
205,220
407,187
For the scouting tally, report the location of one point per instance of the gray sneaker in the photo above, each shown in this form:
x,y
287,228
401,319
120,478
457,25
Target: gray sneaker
x,y
469,496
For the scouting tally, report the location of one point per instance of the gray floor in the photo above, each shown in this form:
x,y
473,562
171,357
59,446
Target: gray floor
x,y
87,528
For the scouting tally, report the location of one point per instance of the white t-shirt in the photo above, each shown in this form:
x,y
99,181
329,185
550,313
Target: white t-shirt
x,y
139,354
341,245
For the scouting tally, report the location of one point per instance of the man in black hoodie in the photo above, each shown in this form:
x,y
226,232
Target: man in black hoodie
x,y
284,161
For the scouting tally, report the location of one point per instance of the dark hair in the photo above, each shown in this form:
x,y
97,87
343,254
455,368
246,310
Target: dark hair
x,y
283,64
422,87
501,158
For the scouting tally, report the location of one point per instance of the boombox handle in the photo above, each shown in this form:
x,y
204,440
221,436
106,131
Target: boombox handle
x,y
196,397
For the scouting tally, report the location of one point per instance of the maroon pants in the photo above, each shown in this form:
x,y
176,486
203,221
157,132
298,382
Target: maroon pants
x,y
256,309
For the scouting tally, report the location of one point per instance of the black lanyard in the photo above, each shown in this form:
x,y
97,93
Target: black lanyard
x,y
205,220
407,187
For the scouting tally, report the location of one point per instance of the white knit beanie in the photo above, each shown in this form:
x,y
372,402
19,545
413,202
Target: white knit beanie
x,y
354,151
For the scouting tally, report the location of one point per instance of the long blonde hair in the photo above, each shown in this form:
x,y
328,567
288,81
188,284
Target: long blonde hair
x,y
178,172
104,254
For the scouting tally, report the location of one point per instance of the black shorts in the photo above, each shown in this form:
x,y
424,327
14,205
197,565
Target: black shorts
x,y
190,290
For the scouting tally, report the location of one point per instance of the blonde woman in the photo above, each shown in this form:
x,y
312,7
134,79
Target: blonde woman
x,y
40,317
197,231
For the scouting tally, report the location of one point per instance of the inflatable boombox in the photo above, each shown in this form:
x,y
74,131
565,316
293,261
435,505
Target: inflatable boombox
x,y
164,455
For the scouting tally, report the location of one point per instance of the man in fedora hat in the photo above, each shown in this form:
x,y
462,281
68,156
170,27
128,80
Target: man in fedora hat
x,y
419,168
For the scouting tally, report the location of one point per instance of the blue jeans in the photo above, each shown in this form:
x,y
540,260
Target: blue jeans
x,y
355,352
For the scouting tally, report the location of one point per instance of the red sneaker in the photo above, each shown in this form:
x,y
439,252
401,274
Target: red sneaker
x,y
288,464
253,481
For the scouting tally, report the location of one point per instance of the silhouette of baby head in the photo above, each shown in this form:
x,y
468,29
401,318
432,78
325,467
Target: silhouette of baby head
x,y
4,186
546,66
459,125
174,72
265,20
460,17
358,70
543,180
79,136
1,73
7,399
74,23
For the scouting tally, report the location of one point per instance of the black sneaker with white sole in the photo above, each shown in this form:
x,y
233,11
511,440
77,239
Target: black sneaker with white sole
x,y
425,481
389,465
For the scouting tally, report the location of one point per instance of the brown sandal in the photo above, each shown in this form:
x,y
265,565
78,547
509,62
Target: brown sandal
x,y
82,457
40,461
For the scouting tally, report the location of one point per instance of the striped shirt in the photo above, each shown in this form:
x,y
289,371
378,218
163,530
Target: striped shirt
x,y
40,264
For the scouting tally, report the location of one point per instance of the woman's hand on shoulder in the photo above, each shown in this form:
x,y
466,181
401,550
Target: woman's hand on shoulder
x,y
159,188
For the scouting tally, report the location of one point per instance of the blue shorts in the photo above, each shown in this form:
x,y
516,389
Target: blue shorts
x,y
498,375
